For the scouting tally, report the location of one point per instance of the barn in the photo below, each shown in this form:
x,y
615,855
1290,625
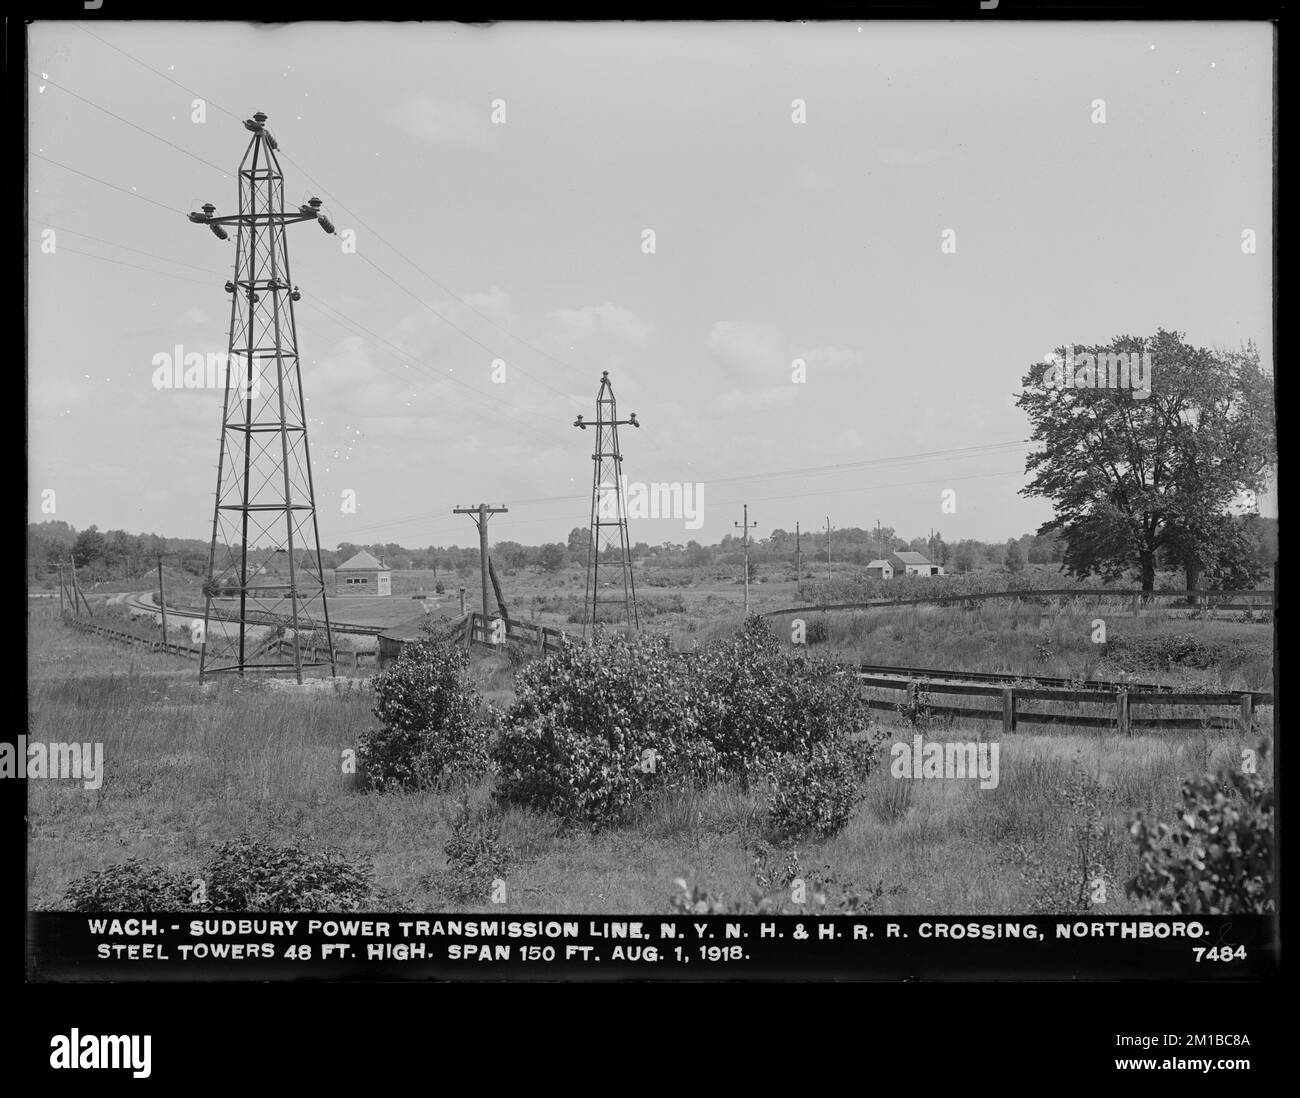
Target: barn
x,y
363,575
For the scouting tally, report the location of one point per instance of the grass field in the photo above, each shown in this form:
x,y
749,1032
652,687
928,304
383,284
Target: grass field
x,y
189,766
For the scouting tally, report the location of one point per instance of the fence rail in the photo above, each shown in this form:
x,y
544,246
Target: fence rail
x,y
967,599
277,646
1121,702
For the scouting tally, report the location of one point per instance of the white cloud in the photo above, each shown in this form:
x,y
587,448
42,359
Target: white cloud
x,y
750,350
607,320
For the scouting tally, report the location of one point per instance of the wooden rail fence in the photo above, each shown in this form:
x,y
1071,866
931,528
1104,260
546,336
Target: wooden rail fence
x,y
120,631
1122,702
1212,599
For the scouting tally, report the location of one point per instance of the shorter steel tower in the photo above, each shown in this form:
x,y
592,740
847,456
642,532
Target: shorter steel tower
x,y
608,510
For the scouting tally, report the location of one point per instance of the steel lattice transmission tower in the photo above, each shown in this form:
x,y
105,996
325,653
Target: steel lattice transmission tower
x,y
265,579
608,509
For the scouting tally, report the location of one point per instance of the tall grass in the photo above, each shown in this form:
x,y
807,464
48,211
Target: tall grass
x,y
188,767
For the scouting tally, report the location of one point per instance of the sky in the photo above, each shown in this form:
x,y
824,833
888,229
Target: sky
x,y
916,212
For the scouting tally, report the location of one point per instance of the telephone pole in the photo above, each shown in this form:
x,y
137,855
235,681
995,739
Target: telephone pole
x,y
480,515
162,601
828,547
745,527
798,562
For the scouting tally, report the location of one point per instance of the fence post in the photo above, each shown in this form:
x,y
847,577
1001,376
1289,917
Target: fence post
x,y
1008,711
1247,711
1121,713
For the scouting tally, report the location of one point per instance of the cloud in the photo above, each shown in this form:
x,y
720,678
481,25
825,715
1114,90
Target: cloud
x,y
829,360
750,350
607,320
604,337
441,122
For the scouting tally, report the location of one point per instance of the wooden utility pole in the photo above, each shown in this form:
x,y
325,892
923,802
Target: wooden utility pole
x,y
745,528
828,547
480,515
798,561
76,589
60,590
162,601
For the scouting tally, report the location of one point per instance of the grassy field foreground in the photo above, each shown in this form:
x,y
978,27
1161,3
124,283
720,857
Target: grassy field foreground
x,y
187,767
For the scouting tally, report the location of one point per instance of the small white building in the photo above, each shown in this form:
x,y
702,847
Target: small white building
x,y
881,569
363,575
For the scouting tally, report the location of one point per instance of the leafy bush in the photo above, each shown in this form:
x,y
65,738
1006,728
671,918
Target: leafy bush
x,y
813,793
1217,859
915,707
605,723
246,875
129,886
596,726
435,728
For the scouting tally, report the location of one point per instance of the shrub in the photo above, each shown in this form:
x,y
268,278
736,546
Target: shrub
x,y
129,886
606,723
597,726
1217,859
435,728
813,793
247,875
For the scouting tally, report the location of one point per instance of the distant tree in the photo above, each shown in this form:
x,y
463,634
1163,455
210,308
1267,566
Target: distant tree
x,y
579,537
553,556
89,548
1015,557
964,556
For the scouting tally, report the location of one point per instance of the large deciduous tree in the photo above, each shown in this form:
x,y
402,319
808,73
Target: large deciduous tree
x,y
1133,474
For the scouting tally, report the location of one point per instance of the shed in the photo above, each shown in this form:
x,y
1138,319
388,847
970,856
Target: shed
x,y
362,574
881,569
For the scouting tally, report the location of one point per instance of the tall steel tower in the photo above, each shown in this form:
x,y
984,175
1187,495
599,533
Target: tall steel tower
x,y
264,600
608,509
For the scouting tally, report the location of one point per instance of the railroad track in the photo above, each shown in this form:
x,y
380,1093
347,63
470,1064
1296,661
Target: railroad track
x,y
145,604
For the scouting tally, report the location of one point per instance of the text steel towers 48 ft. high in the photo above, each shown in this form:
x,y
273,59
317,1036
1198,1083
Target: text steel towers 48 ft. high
x,y
608,510
264,600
